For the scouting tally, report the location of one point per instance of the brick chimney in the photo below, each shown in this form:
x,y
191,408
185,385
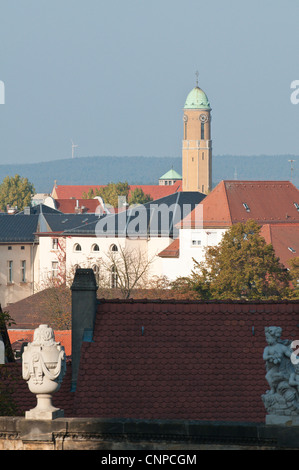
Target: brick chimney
x,y
84,306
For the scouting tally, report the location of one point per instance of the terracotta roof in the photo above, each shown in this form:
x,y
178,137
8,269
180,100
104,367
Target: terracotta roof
x,y
17,337
68,206
172,251
231,202
76,191
179,360
284,238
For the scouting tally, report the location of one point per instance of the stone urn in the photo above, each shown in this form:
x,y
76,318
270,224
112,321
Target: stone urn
x,y
43,367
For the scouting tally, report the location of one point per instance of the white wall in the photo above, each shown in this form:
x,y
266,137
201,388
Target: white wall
x,y
193,243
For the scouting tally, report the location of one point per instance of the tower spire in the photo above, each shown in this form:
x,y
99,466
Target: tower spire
x,y
197,75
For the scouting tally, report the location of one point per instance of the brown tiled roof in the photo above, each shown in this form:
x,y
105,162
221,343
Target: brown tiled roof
x,y
267,202
68,206
24,400
30,312
285,240
179,359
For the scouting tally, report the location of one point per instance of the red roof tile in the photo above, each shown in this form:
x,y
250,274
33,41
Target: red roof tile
x,y
197,361
68,206
285,240
266,202
17,337
76,191
172,251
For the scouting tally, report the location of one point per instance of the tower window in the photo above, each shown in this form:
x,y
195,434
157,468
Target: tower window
x,y
202,131
203,156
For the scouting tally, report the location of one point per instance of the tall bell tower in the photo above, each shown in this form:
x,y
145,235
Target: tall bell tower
x,y
197,143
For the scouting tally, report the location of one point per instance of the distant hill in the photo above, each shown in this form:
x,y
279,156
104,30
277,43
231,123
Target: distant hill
x,y
147,170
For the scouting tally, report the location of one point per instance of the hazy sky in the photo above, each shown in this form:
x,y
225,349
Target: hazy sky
x,y
113,76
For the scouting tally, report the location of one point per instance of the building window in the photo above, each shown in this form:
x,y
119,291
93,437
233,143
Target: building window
x,y
114,277
22,247
202,131
54,243
54,269
196,242
23,271
77,247
202,156
114,248
9,247
95,247
10,272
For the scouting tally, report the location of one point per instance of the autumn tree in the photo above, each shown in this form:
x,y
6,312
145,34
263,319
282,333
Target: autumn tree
x,y
16,191
112,192
137,196
242,266
294,275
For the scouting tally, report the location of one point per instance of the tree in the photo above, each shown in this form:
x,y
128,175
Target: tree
x,y
112,192
16,192
139,197
242,266
126,269
294,274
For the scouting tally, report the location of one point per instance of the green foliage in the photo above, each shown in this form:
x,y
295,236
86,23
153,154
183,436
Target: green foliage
x,y
112,191
242,266
139,197
16,191
109,193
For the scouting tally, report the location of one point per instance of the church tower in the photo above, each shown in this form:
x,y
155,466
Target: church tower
x,y
197,143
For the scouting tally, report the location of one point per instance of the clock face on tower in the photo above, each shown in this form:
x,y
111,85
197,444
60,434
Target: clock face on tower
x,y
203,118
185,118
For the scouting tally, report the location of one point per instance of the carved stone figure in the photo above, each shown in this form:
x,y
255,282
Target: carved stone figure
x,y
282,399
43,367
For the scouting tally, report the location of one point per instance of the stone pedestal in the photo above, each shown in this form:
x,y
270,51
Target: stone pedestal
x,y
280,420
44,409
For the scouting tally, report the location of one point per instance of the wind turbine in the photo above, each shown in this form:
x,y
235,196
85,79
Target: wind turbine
x,y
73,148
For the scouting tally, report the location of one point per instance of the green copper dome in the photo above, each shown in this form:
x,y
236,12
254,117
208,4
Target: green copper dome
x,y
197,99
171,175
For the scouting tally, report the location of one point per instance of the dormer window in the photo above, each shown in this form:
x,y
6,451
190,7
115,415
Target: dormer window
x,y
296,205
246,207
291,249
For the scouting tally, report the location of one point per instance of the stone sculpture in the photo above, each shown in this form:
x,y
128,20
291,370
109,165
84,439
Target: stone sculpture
x,y
282,400
43,367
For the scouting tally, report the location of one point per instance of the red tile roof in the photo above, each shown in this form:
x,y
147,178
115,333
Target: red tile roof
x,y
172,251
179,360
285,240
170,360
17,337
76,191
68,206
267,202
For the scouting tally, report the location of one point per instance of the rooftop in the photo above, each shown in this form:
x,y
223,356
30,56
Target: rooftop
x,y
231,202
197,99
